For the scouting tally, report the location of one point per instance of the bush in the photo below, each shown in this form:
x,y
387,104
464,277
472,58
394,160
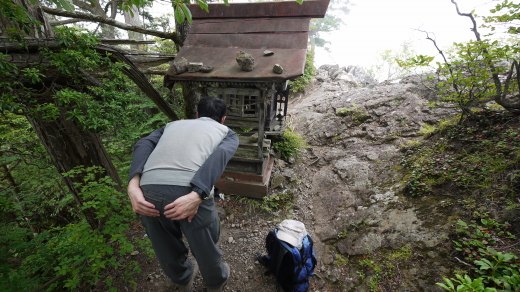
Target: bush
x,y
492,270
74,256
290,146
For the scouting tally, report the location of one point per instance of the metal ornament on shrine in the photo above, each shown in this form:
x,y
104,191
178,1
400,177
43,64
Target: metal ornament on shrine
x,y
245,53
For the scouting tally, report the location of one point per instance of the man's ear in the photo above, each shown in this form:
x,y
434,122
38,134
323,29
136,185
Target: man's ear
x,y
223,119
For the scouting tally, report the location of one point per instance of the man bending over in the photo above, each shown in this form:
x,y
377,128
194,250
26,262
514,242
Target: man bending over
x,y
171,176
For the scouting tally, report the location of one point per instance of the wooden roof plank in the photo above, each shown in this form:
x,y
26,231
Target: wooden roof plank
x,y
309,8
254,25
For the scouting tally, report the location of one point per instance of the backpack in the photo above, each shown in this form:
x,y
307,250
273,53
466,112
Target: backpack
x,y
291,267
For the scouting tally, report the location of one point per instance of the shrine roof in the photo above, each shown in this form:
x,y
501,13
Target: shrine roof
x,y
216,37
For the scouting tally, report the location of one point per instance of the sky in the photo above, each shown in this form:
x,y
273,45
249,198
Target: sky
x,y
373,26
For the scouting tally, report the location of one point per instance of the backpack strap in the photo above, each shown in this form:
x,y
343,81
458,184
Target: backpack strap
x,y
309,258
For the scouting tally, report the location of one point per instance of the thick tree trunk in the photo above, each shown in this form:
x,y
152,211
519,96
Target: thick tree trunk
x,y
191,94
70,146
132,18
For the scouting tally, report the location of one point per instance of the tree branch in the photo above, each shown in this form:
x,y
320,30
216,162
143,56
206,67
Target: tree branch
x,y
474,29
126,42
66,21
154,72
500,94
140,80
454,84
111,22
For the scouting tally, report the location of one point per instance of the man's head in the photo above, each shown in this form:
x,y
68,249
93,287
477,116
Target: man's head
x,y
212,107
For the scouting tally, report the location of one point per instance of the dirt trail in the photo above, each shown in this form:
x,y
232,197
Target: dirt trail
x,y
345,186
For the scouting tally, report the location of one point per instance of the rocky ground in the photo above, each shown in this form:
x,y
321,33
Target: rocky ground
x,y
346,189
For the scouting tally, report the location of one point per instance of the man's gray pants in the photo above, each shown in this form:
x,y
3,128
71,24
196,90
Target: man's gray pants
x,y
202,234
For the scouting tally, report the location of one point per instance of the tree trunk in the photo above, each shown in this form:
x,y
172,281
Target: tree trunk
x,y
191,94
132,18
17,191
70,146
67,143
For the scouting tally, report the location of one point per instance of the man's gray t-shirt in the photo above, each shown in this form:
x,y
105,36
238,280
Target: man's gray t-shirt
x,y
183,148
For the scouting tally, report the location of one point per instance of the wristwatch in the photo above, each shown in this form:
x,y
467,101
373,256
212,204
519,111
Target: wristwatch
x,y
202,194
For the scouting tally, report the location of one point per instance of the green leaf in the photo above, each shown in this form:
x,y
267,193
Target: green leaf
x,y
484,264
203,5
186,12
299,2
449,286
64,4
179,15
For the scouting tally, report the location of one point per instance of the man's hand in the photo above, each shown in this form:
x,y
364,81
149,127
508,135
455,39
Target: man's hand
x,y
139,204
184,207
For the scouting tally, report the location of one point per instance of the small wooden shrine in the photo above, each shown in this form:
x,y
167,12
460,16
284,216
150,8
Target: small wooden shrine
x,y
272,35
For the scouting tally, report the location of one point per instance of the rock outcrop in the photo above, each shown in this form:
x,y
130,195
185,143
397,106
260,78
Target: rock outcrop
x,y
350,193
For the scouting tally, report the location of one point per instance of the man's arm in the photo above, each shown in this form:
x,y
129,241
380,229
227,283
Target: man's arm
x,y
139,204
214,166
142,150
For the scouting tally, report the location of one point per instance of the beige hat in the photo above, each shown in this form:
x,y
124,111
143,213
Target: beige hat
x,y
292,232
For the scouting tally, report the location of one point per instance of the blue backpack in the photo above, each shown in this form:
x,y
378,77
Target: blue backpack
x,y
291,267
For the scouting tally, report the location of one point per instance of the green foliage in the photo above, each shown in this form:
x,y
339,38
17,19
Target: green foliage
x,y
290,146
506,12
74,255
326,24
492,270
473,238
165,46
45,243
381,271
271,204
302,82
427,130
466,78
340,260
20,22
182,12
480,163
64,4
277,202
358,114
414,61
469,75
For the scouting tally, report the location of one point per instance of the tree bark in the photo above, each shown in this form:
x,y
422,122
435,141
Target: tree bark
x,y
191,94
69,146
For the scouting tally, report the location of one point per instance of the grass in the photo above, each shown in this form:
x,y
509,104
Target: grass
x,y
468,158
358,114
290,146
381,271
475,164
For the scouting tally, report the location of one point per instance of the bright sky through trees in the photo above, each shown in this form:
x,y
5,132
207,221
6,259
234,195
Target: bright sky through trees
x,y
375,25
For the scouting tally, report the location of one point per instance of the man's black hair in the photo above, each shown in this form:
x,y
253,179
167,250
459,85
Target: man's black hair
x,y
211,107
